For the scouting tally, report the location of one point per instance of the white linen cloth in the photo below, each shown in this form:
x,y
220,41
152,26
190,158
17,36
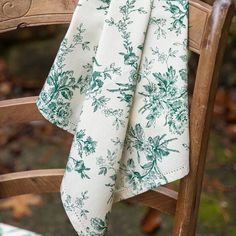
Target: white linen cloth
x,y
119,85
9,230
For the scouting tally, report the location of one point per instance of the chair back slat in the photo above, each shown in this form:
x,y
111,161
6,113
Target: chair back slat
x,y
21,110
33,181
199,14
23,13
167,199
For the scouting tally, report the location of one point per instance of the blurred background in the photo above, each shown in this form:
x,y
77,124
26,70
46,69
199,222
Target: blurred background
x,y
26,56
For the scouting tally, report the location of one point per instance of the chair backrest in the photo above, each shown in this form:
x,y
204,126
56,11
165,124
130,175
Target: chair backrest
x,y
208,28
23,13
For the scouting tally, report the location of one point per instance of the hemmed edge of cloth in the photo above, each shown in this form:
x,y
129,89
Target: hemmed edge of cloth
x,y
71,126
125,193
75,220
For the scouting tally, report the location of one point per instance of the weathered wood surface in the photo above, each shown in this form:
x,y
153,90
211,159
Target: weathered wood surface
x,y
21,13
24,13
19,110
211,53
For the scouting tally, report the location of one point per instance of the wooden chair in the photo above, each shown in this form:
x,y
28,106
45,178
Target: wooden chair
x,y
208,29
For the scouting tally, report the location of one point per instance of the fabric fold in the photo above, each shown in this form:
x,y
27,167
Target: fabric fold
x,y
119,85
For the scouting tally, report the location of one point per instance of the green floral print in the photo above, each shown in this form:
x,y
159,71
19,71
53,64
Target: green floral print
x,y
8,230
118,84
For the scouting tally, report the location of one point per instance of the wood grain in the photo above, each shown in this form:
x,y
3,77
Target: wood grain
x,y
19,110
23,13
26,13
33,181
162,199
211,53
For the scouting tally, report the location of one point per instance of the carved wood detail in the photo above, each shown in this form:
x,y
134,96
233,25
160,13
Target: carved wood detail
x,y
14,8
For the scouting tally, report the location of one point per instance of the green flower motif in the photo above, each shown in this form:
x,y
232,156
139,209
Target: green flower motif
x,y
100,161
134,177
183,74
107,166
86,145
61,83
160,98
89,146
179,11
160,24
158,149
79,135
177,117
99,103
135,76
98,224
76,205
81,169
105,5
43,96
136,134
78,166
130,59
153,148
126,92
59,112
63,112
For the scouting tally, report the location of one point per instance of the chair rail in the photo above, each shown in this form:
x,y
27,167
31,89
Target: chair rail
x,y
33,181
161,198
27,13
19,110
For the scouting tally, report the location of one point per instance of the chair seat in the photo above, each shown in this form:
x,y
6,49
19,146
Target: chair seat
x,y
8,230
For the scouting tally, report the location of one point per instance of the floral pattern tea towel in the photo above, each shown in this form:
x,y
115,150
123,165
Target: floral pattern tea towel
x,y
8,230
119,85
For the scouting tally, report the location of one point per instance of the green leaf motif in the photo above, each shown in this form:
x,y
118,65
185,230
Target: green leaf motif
x,y
76,205
105,5
98,224
153,148
164,98
77,166
179,11
86,145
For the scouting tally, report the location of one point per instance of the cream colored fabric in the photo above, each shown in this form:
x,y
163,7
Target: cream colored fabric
x,y
119,85
8,230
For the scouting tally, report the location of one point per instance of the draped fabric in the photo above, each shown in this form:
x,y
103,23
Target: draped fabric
x,y
119,85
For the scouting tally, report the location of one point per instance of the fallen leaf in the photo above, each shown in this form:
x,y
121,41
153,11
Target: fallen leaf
x,y
21,205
